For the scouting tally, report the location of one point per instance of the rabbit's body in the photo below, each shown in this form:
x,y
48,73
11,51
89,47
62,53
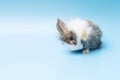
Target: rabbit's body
x,y
84,34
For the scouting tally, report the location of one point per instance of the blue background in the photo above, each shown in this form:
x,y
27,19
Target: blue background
x,y
31,50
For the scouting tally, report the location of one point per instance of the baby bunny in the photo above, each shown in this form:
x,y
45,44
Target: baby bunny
x,y
79,34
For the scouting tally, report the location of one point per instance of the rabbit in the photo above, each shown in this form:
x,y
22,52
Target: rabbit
x,y
79,34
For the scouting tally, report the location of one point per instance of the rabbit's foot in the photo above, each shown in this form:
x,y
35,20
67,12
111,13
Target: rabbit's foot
x,y
85,51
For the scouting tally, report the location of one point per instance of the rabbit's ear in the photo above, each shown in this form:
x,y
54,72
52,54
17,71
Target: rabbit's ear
x,y
62,28
90,23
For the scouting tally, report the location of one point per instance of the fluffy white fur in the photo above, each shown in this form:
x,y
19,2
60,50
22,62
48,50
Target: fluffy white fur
x,y
78,26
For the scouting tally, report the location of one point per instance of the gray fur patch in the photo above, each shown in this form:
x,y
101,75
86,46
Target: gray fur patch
x,y
94,39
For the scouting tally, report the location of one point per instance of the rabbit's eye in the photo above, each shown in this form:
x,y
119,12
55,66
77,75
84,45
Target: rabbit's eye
x,y
71,38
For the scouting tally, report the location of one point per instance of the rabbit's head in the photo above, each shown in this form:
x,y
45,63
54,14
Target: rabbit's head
x,y
66,35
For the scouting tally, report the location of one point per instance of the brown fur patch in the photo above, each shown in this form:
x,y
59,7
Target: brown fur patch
x,y
84,34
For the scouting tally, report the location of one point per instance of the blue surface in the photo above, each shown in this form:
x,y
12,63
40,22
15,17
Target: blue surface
x,y
30,48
